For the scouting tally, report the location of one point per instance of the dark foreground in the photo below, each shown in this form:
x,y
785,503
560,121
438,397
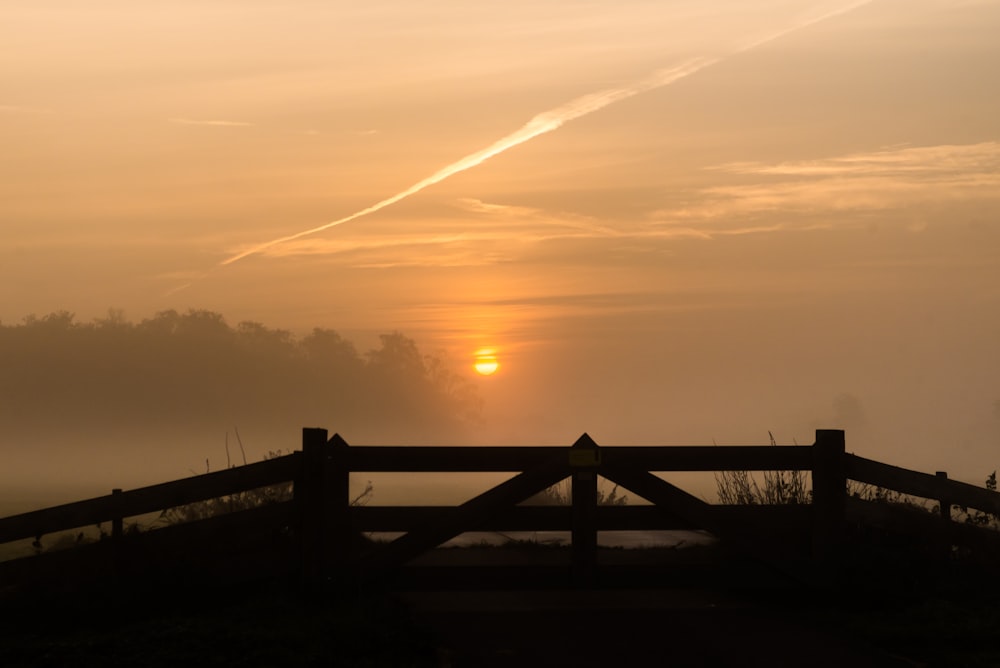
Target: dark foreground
x,y
630,628
271,625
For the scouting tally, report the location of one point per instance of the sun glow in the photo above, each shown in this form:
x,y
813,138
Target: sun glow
x,y
486,363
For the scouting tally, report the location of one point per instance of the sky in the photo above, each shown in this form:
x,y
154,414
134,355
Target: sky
x,y
675,222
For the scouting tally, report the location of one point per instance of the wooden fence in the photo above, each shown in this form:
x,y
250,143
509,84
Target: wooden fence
x,y
318,529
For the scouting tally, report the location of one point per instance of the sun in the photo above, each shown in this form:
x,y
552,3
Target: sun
x,y
486,363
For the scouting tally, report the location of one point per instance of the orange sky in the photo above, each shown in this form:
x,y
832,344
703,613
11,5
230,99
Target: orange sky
x,y
803,234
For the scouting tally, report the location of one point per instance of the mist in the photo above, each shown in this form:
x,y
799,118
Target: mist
x,y
111,403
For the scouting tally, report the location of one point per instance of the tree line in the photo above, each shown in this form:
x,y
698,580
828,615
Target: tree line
x,y
195,370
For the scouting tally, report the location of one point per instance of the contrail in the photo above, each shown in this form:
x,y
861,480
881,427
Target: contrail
x,y
540,124
547,122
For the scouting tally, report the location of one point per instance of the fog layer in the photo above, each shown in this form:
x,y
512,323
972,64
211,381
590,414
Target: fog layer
x,y
87,406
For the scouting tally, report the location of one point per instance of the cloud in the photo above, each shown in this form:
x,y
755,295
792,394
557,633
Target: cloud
x,y
895,178
542,123
545,122
478,206
893,161
507,213
216,123
350,245
493,233
443,249
764,198
549,121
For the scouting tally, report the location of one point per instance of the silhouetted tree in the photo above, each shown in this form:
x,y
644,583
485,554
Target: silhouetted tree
x,y
187,371
328,351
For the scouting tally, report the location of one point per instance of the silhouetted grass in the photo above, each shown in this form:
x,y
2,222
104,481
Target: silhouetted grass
x,y
740,487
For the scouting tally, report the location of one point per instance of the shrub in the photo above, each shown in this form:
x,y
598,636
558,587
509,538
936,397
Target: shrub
x,y
979,517
245,500
778,487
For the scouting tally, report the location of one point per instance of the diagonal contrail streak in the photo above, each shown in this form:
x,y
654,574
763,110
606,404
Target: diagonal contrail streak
x,y
547,122
539,125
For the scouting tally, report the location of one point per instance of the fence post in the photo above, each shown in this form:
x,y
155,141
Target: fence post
x,y
119,558
310,498
117,522
945,507
944,501
338,484
829,476
584,459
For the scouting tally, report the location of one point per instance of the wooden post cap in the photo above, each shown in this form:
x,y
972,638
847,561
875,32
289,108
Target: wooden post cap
x,y
585,452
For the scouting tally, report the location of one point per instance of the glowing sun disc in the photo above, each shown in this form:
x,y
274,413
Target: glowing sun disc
x,y
486,367
486,363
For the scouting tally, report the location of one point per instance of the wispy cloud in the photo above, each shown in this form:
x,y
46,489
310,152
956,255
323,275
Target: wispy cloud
x,y
217,123
493,233
492,209
548,121
508,213
895,178
421,249
780,197
893,161
539,125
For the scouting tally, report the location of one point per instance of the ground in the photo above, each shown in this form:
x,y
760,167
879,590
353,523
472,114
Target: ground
x,y
699,623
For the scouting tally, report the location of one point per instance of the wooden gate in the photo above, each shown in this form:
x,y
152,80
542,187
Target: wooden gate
x,y
316,532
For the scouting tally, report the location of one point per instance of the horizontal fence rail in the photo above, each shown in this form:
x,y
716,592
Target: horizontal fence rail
x,y
914,483
500,459
150,499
